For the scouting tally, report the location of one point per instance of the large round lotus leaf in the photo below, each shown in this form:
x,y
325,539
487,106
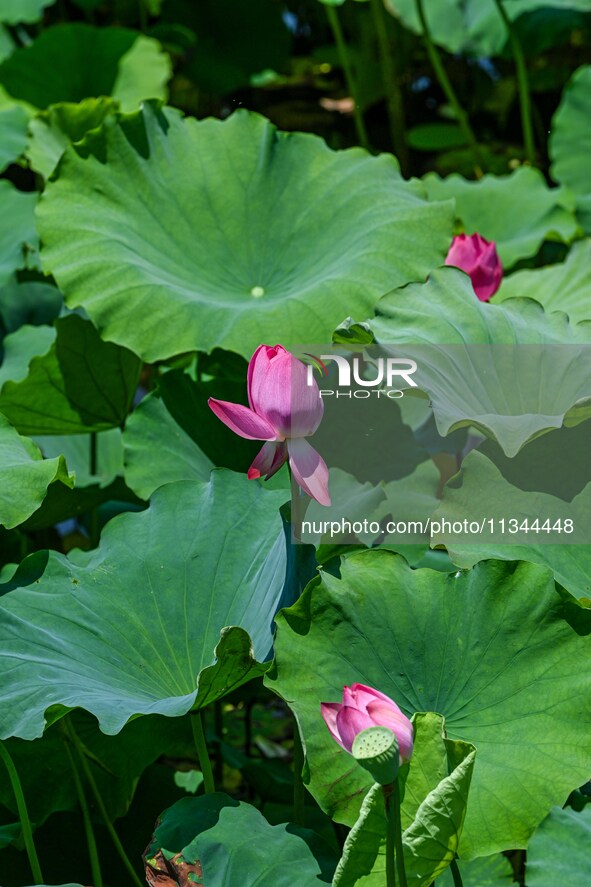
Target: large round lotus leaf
x,y
158,451
13,134
14,11
570,563
518,211
24,476
570,141
456,339
18,238
562,287
230,842
472,26
481,648
134,629
264,237
558,853
68,63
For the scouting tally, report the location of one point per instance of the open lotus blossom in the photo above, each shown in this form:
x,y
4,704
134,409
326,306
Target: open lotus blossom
x,y
364,707
479,259
284,410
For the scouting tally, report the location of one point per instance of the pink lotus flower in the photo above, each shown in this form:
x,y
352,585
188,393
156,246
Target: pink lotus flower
x,y
364,707
284,410
478,258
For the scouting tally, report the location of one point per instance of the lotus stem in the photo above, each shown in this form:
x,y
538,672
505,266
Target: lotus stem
x,y
202,753
390,838
398,835
23,813
95,866
72,735
522,85
394,102
449,91
337,32
455,873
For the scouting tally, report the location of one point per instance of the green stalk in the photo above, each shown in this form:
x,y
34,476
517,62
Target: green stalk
x,y
143,15
202,753
390,838
95,866
522,85
23,813
394,102
398,835
95,532
298,784
335,26
455,873
449,91
100,803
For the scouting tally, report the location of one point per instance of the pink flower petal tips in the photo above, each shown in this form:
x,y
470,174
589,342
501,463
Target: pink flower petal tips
x,y
479,259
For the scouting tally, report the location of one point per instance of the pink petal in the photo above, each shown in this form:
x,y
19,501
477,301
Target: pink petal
x,y
268,460
282,395
382,714
365,695
329,712
242,421
309,470
257,370
479,259
350,722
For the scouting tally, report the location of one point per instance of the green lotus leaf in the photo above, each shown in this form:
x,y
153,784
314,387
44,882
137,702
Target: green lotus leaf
x,y
557,852
166,583
20,348
480,648
7,47
76,448
31,302
55,68
79,384
570,141
530,392
562,287
18,237
223,840
90,490
570,563
14,11
158,451
488,871
433,811
53,130
518,211
472,26
13,134
24,476
161,263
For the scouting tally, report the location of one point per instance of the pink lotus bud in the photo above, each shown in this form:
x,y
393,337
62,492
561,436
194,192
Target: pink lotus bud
x,y
479,259
364,707
284,410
